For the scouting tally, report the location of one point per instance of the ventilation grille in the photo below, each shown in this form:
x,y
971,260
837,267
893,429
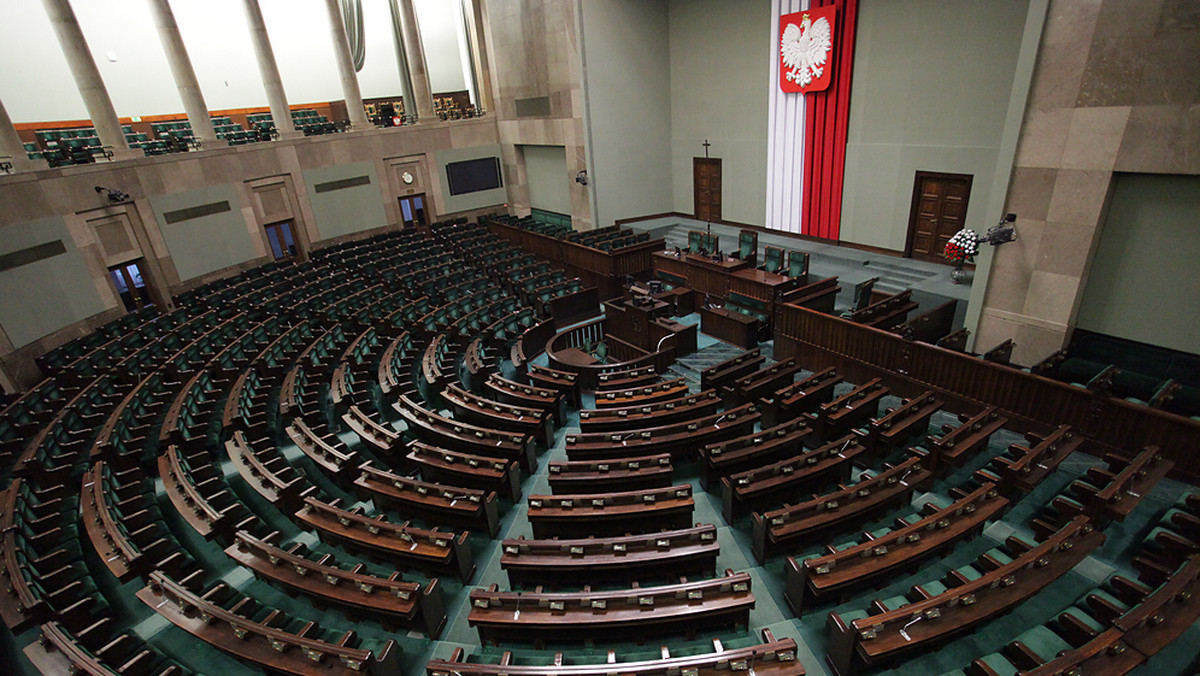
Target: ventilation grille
x,y
342,184
33,254
198,211
538,106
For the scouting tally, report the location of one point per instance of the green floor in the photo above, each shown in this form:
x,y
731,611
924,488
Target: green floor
x,y
770,611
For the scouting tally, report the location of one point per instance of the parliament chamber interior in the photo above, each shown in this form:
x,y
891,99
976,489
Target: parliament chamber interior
x,y
600,337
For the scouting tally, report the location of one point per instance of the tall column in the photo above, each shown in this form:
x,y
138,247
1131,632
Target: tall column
x,y
414,52
181,69
87,78
473,12
11,145
341,50
406,88
267,68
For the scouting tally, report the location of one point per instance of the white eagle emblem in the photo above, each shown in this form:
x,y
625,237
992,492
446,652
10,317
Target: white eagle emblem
x,y
805,49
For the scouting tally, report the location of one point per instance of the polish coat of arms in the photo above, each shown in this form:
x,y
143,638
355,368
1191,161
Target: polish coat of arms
x,y
805,49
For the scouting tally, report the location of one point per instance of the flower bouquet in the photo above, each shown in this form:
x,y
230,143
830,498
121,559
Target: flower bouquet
x,y
960,250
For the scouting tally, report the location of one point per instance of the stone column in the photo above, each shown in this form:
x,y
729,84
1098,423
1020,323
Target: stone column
x,y
11,145
181,69
473,11
267,68
87,78
341,50
414,53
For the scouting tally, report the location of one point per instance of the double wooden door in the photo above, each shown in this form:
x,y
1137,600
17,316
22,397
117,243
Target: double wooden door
x,y
939,210
706,188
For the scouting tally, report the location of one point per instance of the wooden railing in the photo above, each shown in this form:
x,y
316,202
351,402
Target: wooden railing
x,y
623,355
1032,402
605,270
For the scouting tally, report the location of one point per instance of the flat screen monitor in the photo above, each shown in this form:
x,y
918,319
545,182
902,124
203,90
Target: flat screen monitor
x,y
474,175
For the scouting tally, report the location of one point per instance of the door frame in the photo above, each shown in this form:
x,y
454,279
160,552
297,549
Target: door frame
x,y
915,207
696,161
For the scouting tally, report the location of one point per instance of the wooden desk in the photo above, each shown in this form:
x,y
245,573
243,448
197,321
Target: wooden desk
x,y
618,474
772,658
447,432
485,412
464,469
620,613
833,575
731,369
649,415
837,509
529,396
752,450
607,514
576,356
852,409
678,439
956,445
910,419
805,396
390,598
436,503
878,639
326,451
627,558
639,396
753,386
402,544
719,279
259,642
799,474
732,327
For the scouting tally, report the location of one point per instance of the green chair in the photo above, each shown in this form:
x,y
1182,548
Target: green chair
x,y
772,260
747,246
797,264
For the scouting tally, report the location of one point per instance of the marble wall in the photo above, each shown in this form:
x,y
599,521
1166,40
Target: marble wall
x,y
262,183
533,49
1115,89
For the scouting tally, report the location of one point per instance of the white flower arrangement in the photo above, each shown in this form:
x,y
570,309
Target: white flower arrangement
x,y
962,247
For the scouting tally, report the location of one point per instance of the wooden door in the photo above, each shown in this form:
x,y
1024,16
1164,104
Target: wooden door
x,y
412,211
939,210
706,188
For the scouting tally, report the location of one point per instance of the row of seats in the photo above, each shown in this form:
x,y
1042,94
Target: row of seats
x,y
264,372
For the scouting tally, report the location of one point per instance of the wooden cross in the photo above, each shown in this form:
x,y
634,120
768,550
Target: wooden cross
x,y
706,145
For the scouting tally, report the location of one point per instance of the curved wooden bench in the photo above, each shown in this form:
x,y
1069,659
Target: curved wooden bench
x,y
658,555
258,642
398,542
408,603
464,469
780,527
622,613
679,439
650,415
604,514
599,476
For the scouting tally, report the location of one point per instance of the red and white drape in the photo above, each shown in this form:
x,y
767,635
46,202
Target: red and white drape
x,y
806,133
